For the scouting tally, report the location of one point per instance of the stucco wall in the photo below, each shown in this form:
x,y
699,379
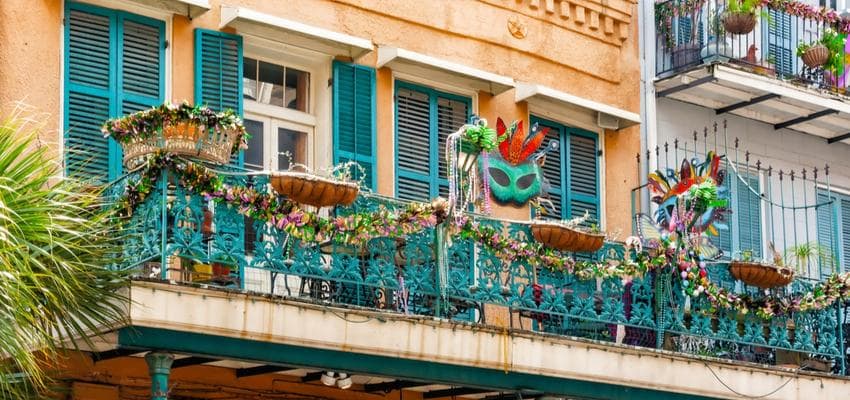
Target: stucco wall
x,y
586,48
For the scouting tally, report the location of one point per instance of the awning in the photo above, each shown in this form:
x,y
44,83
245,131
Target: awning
x,y
294,33
440,70
727,89
590,111
189,8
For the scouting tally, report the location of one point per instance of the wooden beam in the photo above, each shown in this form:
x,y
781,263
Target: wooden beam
x,y
189,361
685,86
754,100
804,118
461,391
390,386
261,370
838,138
114,353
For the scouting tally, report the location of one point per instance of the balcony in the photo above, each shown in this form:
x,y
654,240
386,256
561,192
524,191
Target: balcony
x,y
184,238
756,75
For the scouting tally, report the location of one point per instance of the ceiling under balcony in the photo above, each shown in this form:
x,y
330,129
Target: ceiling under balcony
x,y
775,102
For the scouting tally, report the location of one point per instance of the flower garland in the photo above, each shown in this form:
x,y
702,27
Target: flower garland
x,y
147,124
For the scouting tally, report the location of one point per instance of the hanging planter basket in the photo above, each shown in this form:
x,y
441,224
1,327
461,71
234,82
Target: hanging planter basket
x,y
183,130
765,276
185,139
314,190
739,23
558,236
816,56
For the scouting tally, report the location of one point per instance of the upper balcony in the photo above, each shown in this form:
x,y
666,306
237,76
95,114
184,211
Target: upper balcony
x,y
760,72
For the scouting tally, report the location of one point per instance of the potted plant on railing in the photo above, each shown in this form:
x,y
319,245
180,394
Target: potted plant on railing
x,y
318,190
803,255
763,274
740,16
194,131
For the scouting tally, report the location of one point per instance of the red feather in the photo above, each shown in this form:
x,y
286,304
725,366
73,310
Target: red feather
x,y
504,145
517,140
533,143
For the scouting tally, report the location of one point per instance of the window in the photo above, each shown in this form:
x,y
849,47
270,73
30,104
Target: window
x,y
834,228
572,171
424,119
354,133
275,144
744,232
114,65
275,85
279,137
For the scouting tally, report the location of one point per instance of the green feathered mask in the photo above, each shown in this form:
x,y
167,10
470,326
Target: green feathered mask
x,y
514,178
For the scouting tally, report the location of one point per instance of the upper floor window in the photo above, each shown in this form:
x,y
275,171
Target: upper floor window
x,y
114,65
572,171
424,119
279,136
276,85
834,229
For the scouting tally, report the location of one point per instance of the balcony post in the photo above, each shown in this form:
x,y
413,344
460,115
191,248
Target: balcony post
x,y
662,281
841,348
163,184
159,367
440,258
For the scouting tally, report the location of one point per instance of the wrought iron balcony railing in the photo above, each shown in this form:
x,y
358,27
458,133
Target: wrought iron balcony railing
x,y
693,33
177,235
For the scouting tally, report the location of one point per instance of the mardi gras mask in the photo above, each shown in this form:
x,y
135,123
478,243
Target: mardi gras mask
x,y
513,177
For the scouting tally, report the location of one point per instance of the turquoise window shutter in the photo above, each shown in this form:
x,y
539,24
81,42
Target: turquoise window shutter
x,y
554,167
354,130
834,230
748,209
827,231
781,45
424,119
218,73
114,64
583,174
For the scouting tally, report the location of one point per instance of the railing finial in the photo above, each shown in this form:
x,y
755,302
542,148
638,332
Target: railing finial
x,y
747,156
804,174
826,170
758,165
792,175
737,141
769,170
815,173
780,174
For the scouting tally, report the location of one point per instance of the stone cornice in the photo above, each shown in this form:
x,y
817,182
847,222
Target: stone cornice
x,y
607,20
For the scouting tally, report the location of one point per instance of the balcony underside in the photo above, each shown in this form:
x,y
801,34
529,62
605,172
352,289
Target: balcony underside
x,y
731,90
255,335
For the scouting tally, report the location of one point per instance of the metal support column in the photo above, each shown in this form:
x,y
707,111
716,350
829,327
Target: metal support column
x,y
159,367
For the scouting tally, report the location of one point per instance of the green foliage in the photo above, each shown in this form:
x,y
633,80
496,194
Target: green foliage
x,y
834,41
803,47
803,254
57,243
743,6
483,137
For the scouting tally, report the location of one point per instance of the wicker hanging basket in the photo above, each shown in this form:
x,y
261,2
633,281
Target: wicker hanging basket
x,y
765,276
558,236
183,138
816,56
739,23
314,190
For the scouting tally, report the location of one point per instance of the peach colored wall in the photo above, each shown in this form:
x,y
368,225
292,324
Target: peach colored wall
x,y
584,47
30,59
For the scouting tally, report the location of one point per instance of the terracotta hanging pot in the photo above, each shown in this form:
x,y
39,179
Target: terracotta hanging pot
x,y
183,138
314,190
816,56
765,276
558,236
739,23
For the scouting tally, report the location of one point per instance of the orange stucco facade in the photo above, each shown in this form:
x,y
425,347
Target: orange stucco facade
x,y
586,48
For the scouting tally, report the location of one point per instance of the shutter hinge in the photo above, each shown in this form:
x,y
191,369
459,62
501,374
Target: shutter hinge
x,y
330,82
599,153
166,44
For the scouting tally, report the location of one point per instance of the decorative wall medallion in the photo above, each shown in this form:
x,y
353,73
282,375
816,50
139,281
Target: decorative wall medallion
x,y
517,28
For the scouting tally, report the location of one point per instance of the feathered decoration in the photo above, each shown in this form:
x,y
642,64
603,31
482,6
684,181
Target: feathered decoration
x,y
516,146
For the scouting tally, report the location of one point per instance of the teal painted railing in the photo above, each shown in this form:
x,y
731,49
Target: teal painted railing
x,y
180,236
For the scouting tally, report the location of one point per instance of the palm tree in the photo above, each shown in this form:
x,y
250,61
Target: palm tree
x,y
58,242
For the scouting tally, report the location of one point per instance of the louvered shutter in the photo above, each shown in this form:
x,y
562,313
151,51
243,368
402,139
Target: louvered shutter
x,y
114,66
844,211
141,76
218,73
723,240
748,208
826,231
583,175
553,167
780,42
354,128
451,115
89,80
413,145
